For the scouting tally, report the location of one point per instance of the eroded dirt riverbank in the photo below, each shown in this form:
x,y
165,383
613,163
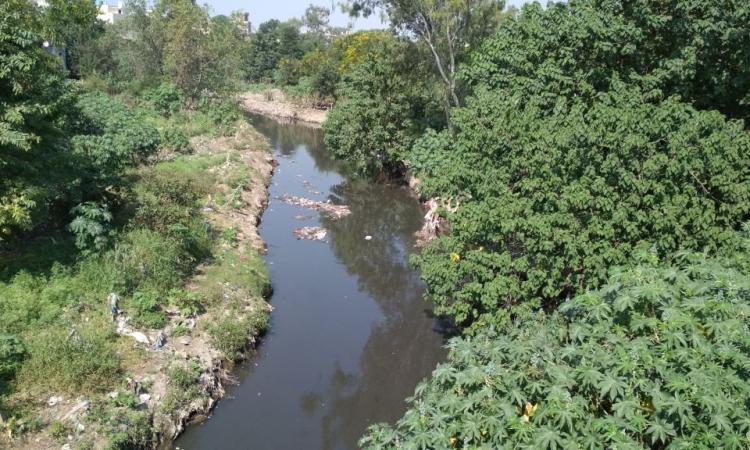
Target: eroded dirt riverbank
x,y
274,104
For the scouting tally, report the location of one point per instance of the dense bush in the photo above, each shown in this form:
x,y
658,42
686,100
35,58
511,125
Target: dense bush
x,y
550,199
12,354
175,139
113,136
572,150
699,50
384,108
90,226
145,310
658,358
165,98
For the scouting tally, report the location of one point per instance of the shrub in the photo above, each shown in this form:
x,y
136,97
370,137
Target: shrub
x,y
658,358
146,310
113,136
189,303
35,301
165,98
90,225
12,354
126,428
231,334
146,260
184,387
175,139
223,114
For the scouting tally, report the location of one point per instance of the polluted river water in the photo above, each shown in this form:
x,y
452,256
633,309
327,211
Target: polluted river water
x,y
350,335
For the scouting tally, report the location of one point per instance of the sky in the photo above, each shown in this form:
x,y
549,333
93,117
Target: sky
x,y
263,10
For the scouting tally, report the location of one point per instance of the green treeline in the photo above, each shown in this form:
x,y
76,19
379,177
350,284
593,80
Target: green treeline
x,y
594,171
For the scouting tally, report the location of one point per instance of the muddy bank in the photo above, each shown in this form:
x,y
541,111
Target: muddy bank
x,y
273,103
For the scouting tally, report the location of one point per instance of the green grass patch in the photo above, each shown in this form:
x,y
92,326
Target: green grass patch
x,y
74,359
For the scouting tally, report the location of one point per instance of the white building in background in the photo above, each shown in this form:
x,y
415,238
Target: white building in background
x,y
111,12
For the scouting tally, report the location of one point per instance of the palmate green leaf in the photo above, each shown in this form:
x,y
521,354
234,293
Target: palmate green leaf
x,y
660,431
548,439
626,408
611,386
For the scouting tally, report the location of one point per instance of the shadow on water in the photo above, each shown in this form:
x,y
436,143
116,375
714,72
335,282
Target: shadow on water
x,y
351,335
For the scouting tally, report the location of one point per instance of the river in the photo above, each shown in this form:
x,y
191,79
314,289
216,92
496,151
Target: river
x,y
350,335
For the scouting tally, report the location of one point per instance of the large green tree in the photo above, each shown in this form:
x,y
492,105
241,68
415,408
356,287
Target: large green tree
x,y
34,102
273,42
449,28
384,104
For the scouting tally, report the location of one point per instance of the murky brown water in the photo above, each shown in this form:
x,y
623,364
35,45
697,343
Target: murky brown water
x,y
350,335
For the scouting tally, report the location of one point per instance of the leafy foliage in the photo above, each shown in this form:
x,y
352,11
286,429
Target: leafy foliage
x,y
551,198
273,42
166,98
695,49
558,173
12,354
34,105
657,358
90,225
113,136
385,108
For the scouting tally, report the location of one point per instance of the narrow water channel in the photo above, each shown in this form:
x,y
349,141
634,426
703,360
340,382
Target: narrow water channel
x,y
350,334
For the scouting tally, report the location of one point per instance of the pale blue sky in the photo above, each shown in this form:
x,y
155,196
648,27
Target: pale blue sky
x,y
263,10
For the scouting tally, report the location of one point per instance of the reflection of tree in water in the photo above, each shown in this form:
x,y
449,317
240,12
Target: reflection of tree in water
x,y
402,349
288,138
390,215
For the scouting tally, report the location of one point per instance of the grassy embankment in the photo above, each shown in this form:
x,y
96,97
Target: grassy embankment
x,y
181,252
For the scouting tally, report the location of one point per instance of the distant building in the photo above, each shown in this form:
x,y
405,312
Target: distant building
x,y
243,22
111,12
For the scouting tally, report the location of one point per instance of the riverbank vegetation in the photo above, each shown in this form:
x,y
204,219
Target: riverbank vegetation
x,y
593,171
591,160
126,183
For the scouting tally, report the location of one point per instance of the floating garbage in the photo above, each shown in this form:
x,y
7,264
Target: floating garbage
x,y
334,211
311,233
368,238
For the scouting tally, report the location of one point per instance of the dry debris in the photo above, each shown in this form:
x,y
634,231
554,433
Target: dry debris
x,y
333,211
311,233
